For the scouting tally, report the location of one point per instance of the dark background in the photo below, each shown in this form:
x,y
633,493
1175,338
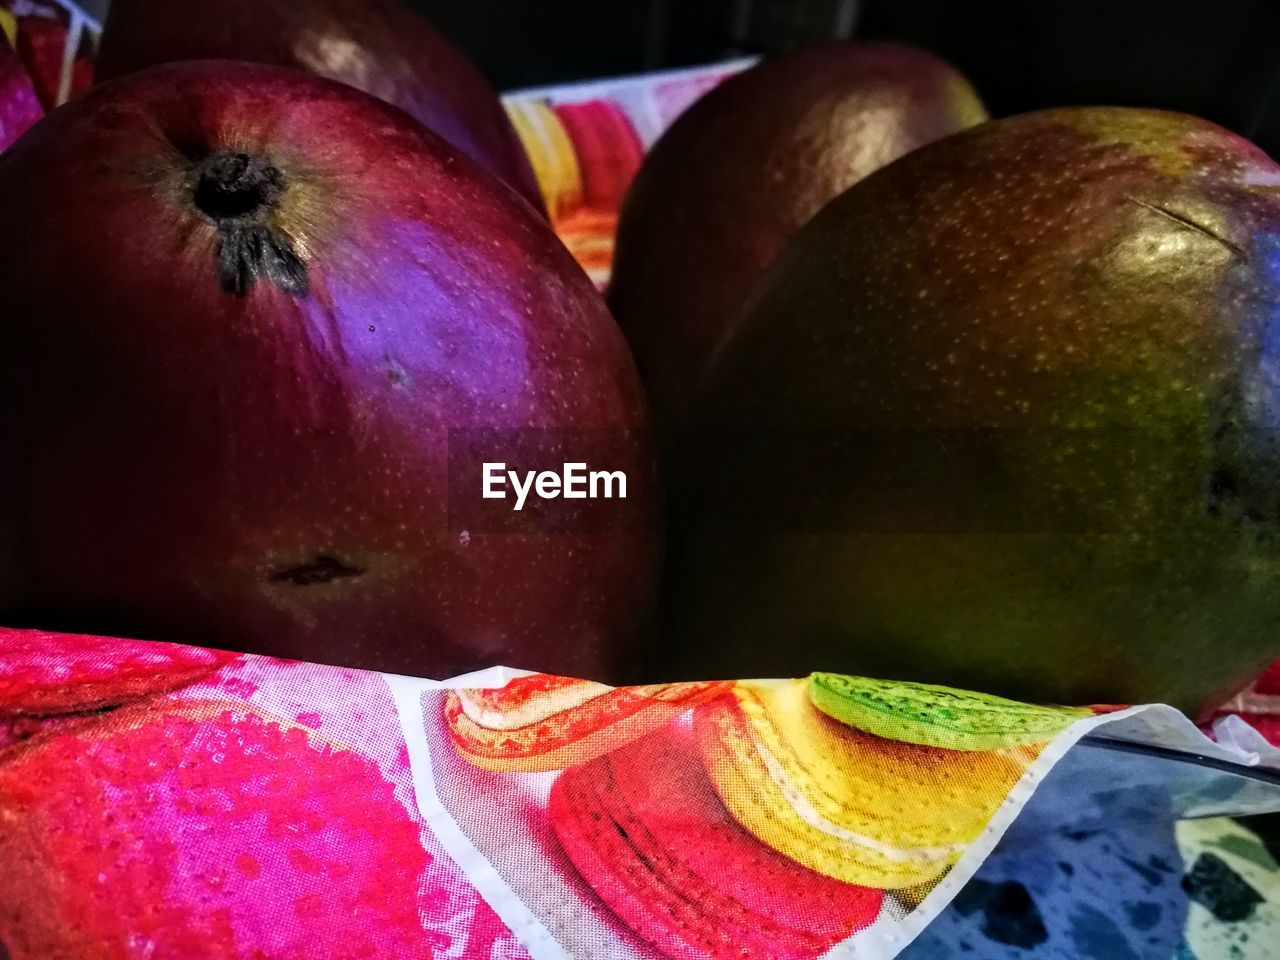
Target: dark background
x,y
1216,58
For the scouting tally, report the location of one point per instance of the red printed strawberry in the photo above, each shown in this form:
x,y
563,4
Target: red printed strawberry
x,y
541,722
19,106
1269,683
203,830
1267,724
57,673
42,42
608,150
645,829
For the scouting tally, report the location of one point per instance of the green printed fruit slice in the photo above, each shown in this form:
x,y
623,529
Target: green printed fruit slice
x,y
935,716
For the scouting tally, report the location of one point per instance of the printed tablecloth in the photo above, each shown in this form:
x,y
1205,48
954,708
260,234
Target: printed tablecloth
x,y
162,801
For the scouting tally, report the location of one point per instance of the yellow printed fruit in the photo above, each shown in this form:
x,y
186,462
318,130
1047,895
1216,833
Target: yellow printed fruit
x,y
847,804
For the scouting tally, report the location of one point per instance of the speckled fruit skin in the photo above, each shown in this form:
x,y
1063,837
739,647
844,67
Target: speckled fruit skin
x,y
1003,418
267,472
377,46
203,830
742,170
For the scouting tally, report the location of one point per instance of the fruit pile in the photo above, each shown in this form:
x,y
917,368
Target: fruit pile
x,y
897,389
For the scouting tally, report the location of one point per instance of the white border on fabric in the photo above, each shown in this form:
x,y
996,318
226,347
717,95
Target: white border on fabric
x,y
407,694
1238,734
576,90
888,940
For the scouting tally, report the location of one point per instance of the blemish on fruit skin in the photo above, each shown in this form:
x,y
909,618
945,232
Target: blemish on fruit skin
x,y
324,568
1191,224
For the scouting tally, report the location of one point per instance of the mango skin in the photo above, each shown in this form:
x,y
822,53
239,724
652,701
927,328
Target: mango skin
x,y
378,46
746,167
1003,417
278,472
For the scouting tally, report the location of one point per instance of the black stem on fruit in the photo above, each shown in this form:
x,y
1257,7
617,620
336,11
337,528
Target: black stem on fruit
x,y
235,186
239,192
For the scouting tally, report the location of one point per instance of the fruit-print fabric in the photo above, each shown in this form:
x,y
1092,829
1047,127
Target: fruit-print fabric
x,y
166,802
19,106
55,41
751,819
586,142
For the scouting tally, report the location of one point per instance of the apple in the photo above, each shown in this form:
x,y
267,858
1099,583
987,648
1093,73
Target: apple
x,y
377,46
257,326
